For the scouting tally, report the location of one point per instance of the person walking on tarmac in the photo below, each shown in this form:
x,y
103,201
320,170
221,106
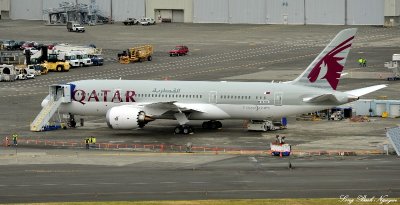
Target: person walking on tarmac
x,y
87,143
360,61
364,62
15,139
7,142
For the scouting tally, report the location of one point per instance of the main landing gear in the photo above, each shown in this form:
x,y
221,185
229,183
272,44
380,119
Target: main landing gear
x,y
183,129
212,124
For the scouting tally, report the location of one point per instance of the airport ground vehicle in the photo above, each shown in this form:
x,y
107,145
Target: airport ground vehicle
x,y
130,21
139,54
394,67
53,64
83,58
147,21
20,77
73,26
97,59
179,50
29,45
7,73
15,45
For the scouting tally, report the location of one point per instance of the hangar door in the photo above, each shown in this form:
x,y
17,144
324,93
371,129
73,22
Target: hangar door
x,y
177,16
365,12
325,12
286,12
168,15
394,110
380,108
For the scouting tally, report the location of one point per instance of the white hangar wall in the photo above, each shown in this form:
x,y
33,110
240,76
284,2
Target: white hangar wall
x,y
325,12
250,11
285,12
123,9
176,10
22,9
365,12
210,11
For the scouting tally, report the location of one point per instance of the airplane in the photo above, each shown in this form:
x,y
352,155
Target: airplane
x,y
131,104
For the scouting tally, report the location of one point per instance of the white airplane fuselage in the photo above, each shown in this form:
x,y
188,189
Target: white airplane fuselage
x,y
222,100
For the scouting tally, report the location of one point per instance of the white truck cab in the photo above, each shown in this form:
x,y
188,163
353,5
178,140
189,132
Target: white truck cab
x,y
82,57
73,26
147,21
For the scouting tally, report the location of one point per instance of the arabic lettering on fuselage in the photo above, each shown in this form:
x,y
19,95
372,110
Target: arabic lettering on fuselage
x,y
164,90
117,96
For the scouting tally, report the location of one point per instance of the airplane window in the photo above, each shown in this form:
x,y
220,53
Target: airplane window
x,y
186,96
265,97
201,96
242,97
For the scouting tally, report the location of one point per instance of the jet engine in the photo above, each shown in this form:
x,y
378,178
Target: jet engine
x,y
125,118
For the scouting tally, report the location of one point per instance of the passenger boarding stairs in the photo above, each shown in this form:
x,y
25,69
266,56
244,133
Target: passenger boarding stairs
x,y
58,94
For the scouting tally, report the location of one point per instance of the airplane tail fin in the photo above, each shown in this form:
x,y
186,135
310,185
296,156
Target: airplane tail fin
x,y
325,71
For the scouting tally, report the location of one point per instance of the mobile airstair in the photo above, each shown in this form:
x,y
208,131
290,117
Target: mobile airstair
x,y
394,137
58,94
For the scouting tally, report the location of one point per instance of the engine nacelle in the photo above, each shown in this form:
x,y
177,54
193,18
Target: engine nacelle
x,y
126,118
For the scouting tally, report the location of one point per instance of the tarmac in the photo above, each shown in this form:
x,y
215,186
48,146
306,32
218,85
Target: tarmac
x,y
234,163
31,175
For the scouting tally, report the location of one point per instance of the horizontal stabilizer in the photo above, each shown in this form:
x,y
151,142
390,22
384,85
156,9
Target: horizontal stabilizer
x,y
321,98
366,90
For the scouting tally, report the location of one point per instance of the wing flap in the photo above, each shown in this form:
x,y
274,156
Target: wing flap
x,y
366,90
329,97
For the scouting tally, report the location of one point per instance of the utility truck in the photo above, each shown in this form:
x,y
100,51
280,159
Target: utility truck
x,y
74,26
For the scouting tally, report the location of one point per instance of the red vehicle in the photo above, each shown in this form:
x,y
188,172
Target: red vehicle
x,y
179,50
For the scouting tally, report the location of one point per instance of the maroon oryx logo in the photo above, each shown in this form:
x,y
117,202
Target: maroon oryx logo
x,y
331,63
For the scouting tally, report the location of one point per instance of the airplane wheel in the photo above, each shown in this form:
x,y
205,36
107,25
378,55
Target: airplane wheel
x,y
219,124
178,129
186,130
206,125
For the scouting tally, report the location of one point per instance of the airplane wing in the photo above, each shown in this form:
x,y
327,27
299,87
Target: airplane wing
x,y
366,90
159,108
329,97
352,95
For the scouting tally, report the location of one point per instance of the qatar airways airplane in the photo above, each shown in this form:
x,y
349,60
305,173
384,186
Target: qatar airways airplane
x,y
130,104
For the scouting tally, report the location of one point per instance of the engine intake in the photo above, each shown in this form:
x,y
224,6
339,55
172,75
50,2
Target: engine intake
x,y
126,118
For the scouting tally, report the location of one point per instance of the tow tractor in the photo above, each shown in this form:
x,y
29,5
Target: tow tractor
x,y
279,147
53,64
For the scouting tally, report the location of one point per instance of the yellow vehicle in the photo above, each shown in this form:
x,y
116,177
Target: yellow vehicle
x,y
135,54
53,64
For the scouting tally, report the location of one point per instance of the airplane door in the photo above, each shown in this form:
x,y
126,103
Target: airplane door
x,y
278,97
67,93
212,97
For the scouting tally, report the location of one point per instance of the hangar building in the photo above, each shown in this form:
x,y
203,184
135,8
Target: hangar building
x,y
302,12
